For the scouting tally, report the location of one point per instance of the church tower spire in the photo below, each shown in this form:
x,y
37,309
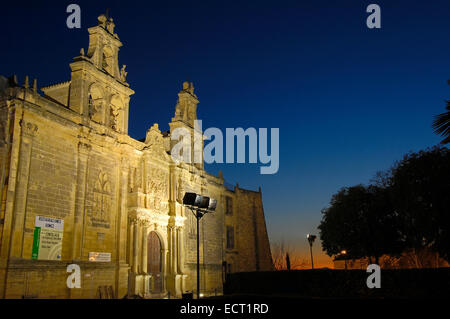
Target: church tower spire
x,y
185,117
104,46
186,108
98,88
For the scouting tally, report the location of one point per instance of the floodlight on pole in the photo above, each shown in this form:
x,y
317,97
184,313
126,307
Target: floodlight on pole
x,y
199,206
311,239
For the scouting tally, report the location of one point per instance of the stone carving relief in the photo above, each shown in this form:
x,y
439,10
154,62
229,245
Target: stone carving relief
x,y
29,129
180,190
100,214
136,178
157,189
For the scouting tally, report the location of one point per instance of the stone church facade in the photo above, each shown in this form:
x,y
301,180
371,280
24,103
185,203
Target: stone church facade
x,y
66,159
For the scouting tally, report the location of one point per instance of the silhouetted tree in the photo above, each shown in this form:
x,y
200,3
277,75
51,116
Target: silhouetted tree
x,y
279,251
362,221
441,124
420,190
408,210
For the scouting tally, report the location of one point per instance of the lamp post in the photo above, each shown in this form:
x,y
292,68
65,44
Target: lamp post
x,y
343,253
199,206
311,239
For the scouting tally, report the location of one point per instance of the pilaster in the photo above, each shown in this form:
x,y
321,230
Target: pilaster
x,y
78,228
29,130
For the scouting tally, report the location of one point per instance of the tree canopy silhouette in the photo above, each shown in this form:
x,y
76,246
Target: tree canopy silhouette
x,y
420,188
409,208
360,220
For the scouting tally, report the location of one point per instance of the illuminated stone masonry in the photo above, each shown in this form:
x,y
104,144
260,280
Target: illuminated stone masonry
x,y
76,189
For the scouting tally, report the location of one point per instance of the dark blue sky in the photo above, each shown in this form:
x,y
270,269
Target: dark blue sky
x,y
348,100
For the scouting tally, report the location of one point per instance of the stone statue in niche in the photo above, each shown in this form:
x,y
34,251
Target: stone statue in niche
x,y
116,107
180,190
95,109
110,25
114,119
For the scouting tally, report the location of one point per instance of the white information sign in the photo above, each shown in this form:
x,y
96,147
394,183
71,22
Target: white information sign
x,y
100,257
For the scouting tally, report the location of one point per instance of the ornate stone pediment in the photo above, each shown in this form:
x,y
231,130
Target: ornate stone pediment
x,y
155,143
148,217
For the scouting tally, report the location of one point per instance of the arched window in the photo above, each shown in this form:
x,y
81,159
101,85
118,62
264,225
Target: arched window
x,y
95,103
116,113
104,62
90,105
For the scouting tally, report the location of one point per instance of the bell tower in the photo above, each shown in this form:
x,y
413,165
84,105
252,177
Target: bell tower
x,y
185,118
186,108
98,89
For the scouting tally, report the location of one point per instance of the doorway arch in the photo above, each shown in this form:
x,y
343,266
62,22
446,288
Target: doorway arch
x,y
155,262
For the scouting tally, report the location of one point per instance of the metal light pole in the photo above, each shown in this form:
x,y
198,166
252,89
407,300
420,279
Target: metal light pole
x,y
343,253
198,216
199,206
311,239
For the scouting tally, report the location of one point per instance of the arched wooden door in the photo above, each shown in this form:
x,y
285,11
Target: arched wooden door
x,y
154,261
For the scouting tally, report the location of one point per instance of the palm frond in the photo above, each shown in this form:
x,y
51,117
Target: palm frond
x,y
441,123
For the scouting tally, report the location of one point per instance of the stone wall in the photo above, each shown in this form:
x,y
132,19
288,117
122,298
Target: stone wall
x,y
47,279
44,182
76,163
67,155
94,179
252,248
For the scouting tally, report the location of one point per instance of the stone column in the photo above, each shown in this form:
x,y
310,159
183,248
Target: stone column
x,y
123,211
28,132
169,248
143,255
165,253
174,250
130,242
180,250
144,247
122,230
135,247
